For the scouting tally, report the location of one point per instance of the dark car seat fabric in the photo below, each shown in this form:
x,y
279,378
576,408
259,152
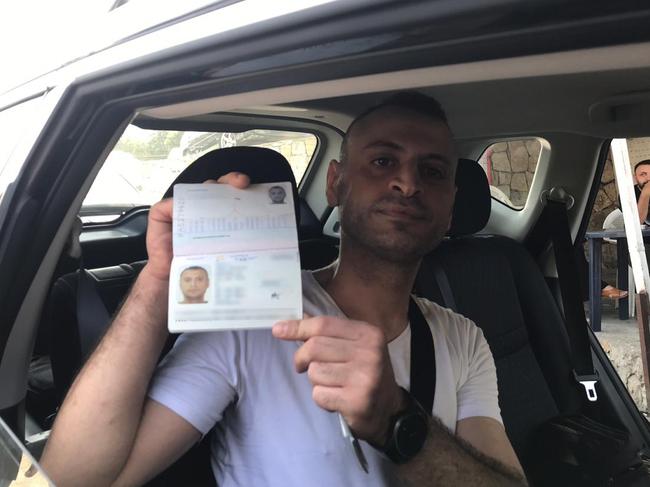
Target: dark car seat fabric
x,y
472,205
499,287
72,315
309,225
495,282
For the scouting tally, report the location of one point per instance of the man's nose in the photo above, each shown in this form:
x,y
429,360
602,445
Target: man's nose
x,y
406,180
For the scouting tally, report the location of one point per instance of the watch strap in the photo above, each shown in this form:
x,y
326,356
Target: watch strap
x,y
407,432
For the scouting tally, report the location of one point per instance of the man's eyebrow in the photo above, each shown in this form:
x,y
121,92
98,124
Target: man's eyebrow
x,y
394,145
384,143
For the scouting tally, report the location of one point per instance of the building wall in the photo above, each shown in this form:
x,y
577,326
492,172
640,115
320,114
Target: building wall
x,y
512,166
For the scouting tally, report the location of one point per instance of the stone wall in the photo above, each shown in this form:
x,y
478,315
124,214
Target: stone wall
x,y
510,167
639,149
622,348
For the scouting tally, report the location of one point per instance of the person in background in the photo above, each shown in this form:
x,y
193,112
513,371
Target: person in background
x,y
642,189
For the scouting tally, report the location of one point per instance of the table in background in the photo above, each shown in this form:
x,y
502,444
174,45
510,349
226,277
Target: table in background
x,y
595,241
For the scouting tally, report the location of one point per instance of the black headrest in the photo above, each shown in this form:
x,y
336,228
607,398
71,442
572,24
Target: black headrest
x,y
473,201
260,164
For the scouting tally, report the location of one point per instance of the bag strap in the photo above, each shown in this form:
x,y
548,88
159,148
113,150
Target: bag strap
x,y
554,222
423,358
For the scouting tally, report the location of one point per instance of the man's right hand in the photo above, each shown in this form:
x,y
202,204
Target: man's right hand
x,y
159,229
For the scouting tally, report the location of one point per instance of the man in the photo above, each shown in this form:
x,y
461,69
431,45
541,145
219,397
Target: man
x,y
277,195
642,189
194,282
394,187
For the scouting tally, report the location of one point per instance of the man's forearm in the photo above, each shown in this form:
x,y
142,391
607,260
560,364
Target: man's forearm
x,y
447,460
95,428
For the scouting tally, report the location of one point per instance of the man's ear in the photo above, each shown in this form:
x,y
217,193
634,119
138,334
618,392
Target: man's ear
x,y
333,180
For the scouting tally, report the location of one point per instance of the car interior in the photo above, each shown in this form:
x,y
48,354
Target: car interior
x,y
571,103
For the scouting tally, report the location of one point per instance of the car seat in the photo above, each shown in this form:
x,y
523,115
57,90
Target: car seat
x,y
494,281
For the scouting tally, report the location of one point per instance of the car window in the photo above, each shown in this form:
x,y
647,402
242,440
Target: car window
x,y
617,331
510,166
145,162
13,122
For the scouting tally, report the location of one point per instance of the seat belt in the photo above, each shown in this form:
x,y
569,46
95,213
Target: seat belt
x,y
425,286
554,222
445,288
423,358
92,315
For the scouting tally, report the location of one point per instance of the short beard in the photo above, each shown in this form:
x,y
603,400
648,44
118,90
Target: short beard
x,y
398,247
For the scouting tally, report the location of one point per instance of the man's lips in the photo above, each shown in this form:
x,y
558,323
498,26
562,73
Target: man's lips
x,y
402,212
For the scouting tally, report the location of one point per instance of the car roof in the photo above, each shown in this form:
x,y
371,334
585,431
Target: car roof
x,y
146,26
580,92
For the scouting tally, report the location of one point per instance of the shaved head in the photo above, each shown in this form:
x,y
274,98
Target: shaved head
x,y
410,101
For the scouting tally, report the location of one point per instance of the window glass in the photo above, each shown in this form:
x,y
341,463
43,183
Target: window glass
x,y
145,162
13,122
619,332
510,166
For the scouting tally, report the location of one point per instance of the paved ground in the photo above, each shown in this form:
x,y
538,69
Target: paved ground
x,y
620,339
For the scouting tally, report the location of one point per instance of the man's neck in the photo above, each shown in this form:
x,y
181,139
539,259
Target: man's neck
x,y
193,301
370,289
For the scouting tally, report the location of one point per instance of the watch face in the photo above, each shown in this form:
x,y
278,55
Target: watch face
x,y
411,431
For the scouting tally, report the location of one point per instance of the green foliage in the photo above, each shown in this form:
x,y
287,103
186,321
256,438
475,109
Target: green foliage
x,y
156,147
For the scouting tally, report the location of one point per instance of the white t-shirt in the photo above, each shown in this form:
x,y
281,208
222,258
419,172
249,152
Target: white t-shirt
x,y
270,431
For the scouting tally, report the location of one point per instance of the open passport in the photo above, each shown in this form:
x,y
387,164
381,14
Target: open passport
x,y
236,263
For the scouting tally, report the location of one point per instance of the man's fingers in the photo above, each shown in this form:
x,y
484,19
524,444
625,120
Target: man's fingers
x,y
162,211
236,179
328,374
305,329
329,398
323,349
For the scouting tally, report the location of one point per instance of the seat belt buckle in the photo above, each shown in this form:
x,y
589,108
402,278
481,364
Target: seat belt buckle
x,y
588,381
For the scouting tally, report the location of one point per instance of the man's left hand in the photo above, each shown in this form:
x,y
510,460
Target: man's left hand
x,y
348,365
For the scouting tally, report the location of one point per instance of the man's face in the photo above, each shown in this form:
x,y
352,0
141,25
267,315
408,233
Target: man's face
x,y
277,194
642,175
194,283
396,190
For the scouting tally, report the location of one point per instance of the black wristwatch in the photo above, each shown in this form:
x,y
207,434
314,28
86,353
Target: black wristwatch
x,y
407,432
